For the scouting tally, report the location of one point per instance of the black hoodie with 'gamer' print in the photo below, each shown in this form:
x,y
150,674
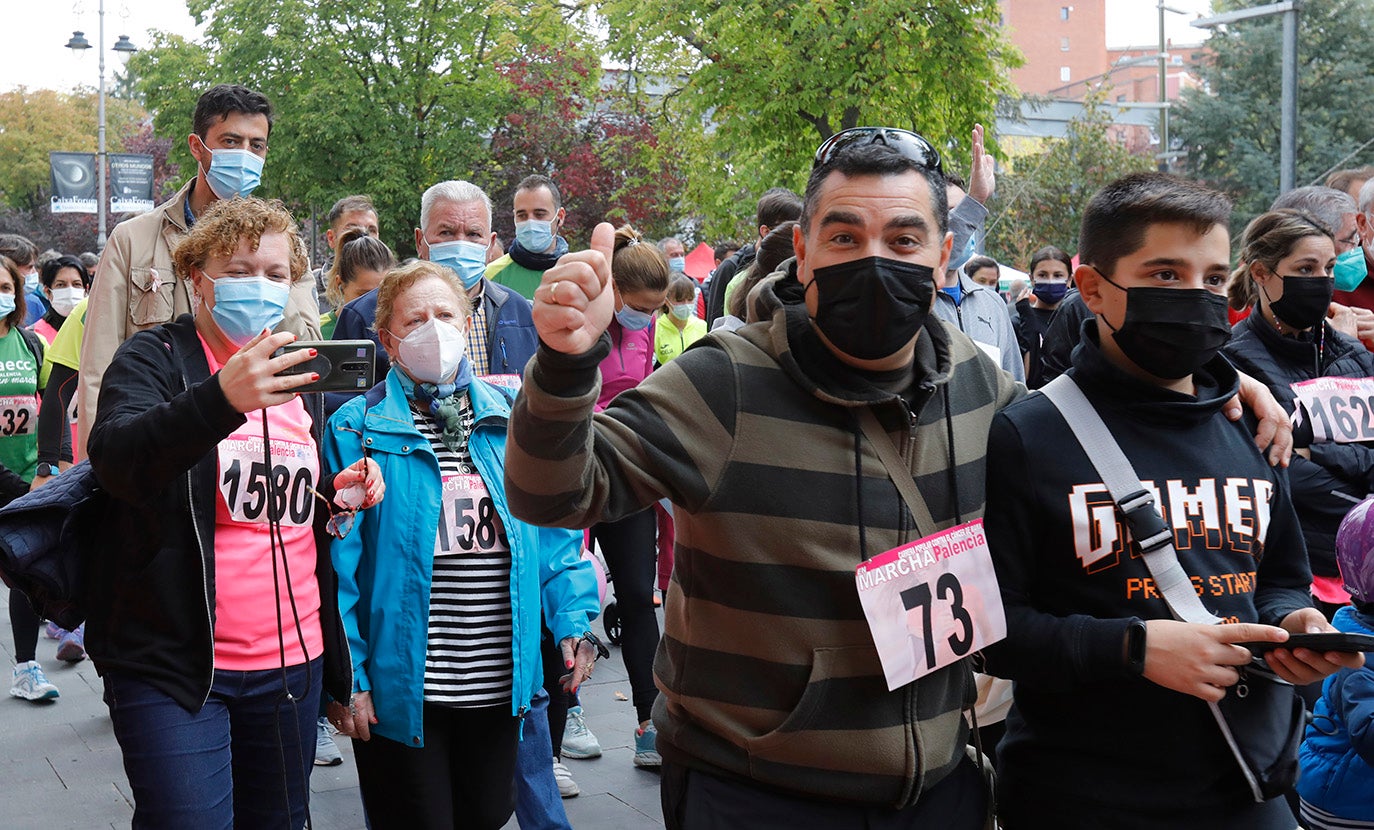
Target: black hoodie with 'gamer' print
x,y
1090,744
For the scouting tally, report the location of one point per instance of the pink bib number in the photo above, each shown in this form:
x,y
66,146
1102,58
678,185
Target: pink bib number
x,y
1341,409
932,602
243,480
18,415
467,518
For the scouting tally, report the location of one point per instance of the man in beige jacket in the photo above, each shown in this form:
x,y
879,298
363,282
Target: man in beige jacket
x,y
135,287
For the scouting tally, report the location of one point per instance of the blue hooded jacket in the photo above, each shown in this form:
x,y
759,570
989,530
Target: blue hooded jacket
x,y
1337,755
385,564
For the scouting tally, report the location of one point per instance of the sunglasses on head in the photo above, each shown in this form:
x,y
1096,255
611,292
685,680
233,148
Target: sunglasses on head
x,y
906,142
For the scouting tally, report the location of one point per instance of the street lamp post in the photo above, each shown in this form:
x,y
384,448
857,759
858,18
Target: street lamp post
x,y
79,43
1164,90
1288,101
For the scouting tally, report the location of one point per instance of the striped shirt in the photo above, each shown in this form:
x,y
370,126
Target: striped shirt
x,y
468,655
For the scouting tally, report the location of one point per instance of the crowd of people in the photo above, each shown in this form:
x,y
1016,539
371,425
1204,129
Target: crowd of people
x,y
887,568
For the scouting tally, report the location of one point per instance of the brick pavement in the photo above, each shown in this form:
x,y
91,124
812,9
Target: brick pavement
x,y
61,766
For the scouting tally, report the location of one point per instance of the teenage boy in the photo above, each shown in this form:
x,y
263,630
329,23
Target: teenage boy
x,y
1110,726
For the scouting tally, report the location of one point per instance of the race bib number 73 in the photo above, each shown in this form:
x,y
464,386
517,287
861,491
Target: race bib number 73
x,y
1341,410
932,602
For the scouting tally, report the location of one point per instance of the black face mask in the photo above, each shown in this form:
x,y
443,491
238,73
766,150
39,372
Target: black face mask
x,y
1304,302
870,308
1171,332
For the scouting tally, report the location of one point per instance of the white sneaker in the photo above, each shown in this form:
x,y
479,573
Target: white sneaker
x,y
30,683
567,787
578,740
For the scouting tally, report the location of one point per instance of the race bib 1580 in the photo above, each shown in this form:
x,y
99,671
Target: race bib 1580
x,y
1341,410
932,602
244,478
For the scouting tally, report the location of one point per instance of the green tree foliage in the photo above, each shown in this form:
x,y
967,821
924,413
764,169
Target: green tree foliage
x,y
383,97
1041,200
1231,129
37,122
774,78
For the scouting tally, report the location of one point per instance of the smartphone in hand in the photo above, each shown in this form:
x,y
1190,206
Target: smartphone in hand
x,y
343,365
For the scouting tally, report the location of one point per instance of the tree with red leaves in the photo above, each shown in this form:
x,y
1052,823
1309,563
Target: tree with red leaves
x,y
601,145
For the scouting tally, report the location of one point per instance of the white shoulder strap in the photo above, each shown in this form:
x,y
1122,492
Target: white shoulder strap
x,y
1135,504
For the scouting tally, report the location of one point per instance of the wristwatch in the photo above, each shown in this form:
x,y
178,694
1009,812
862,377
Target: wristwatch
x,y
1135,647
46,470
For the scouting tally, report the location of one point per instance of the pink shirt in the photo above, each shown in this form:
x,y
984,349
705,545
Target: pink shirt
x,y
630,361
245,616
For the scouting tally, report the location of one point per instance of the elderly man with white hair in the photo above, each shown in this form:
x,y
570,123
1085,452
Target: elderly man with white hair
x,y
455,231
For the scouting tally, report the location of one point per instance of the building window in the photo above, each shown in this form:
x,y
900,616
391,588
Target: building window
x,y
1064,12
1063,44
1121,99
1064,74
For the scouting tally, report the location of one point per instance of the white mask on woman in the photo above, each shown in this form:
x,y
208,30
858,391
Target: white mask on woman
x,y
432,352
65,299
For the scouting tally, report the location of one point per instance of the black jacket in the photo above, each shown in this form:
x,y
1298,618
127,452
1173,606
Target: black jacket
x,y
1338,476
1088,743
152,588
733,264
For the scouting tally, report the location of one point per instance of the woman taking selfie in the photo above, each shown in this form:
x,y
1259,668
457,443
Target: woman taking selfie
x,y
213,614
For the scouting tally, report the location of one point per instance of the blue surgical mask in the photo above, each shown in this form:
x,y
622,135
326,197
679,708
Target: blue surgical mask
x,y
535,235
958,258
677,264
1350,269
31,281
244,306
466,259
6,304
683,311
234,172
633,319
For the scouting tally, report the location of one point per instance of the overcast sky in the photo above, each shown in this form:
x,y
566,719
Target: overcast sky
x,y
34,54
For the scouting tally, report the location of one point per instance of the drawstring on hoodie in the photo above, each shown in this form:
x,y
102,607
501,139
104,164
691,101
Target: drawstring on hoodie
x,y
859,483
953,476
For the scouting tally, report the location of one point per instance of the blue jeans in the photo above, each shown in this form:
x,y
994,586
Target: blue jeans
x,y
242,761
538,806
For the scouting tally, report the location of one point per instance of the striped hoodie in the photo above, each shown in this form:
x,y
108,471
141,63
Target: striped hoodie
x,y
767,669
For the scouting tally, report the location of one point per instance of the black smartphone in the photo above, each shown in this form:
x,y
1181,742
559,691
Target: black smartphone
x,y
343,365
1325,641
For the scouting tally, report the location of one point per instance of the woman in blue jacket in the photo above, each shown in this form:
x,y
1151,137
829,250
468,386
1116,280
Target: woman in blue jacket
x,y
440,589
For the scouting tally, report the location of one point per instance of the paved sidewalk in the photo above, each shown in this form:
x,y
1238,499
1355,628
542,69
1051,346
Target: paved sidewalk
x,y
62,769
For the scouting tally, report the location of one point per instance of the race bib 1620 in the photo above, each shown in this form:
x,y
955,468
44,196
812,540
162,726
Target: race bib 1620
x,y
1341,410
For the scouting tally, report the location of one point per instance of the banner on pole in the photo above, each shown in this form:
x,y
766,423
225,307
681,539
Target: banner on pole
x,y
73,182
131,183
